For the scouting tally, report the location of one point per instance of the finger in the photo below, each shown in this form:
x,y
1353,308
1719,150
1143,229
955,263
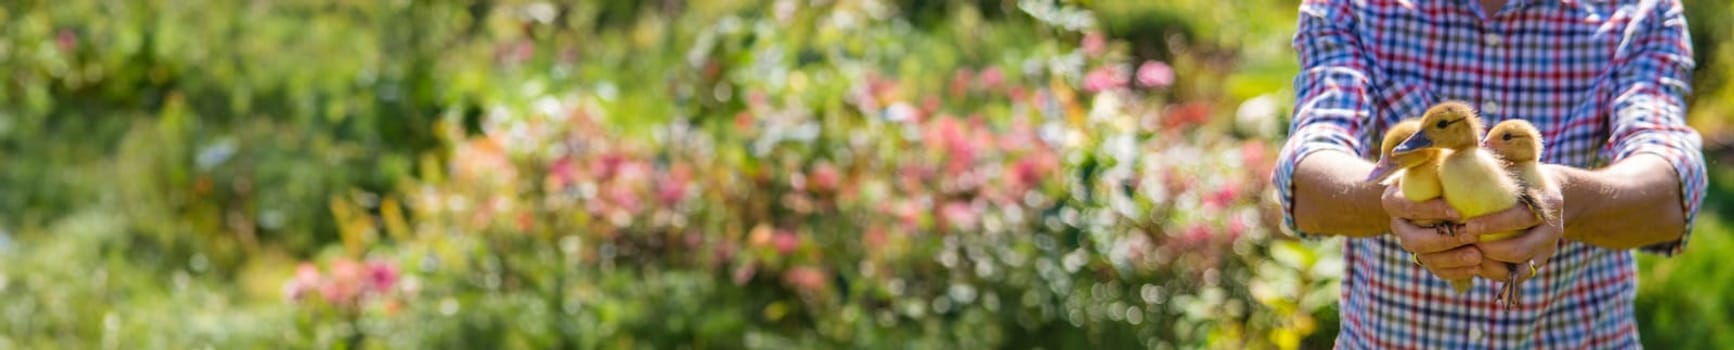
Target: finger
x,y
1517,217
1424,240
1392,200
1530,244
1456,273
1495,270
1432,209
1460,257
1531,269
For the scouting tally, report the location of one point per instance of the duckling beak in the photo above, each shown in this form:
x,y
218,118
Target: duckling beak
x,y
1387,166
1414,143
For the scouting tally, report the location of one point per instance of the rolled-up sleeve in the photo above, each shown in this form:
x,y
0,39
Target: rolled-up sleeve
x,y
1332,94
1652,73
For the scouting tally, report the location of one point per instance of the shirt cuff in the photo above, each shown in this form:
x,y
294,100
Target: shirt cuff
x,y
1296,150
1680,151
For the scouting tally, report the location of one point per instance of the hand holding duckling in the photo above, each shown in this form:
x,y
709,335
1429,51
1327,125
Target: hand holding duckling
x,y
1421,221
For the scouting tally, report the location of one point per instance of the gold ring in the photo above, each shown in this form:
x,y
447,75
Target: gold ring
x,y
1532,268
1416,259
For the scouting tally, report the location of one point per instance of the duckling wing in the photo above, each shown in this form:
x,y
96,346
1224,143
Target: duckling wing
x,y
1475,184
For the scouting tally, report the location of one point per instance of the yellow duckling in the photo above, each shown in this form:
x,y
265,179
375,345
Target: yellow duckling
x,y
1520,144
1472,179
1420,180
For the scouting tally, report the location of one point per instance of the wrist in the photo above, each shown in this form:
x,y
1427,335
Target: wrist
x,y
1572,204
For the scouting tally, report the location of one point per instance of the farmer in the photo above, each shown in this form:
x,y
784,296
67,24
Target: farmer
x,y
1603,80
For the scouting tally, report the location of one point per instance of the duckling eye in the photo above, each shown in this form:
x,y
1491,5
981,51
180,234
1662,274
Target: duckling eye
x,y
1441,124
1506,137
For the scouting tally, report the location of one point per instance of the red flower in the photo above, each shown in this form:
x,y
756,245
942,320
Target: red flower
x,y
743,121
1184,115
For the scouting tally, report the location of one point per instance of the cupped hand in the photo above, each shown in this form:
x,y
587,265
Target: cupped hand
x,y
1537,240
1451,257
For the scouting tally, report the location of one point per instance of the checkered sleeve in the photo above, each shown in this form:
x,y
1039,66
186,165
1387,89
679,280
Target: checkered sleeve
x,y
1332,94
1654,66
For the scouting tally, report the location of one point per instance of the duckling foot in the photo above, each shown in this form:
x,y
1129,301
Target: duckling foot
x,y
1508,293
1446,229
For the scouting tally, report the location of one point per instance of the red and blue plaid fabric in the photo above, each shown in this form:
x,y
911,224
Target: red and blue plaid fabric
x,y
1603,80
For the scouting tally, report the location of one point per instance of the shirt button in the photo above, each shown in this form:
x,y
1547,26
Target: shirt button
x,y
1476,333
1490,107
1494,39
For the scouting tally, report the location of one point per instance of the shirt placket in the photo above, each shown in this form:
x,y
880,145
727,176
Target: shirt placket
x,y
1494,66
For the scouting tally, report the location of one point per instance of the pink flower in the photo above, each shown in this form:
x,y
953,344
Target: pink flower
x,y
825,177
1103,79
674,185
1155,74
960,214
1030,170
1197,235
1222,197
991,78
345,284
948,135
960,82
744,273
66,40
874,237
1236,227
621,196
381,276
805,279
561,174
786,242
305,281
1094,43
608,165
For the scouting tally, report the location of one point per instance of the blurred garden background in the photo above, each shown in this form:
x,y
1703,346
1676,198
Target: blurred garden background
x,y
688,174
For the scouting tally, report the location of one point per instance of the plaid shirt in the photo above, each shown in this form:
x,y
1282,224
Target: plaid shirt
x,y
1602,79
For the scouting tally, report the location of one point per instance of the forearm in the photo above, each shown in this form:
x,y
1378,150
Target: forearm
x,y
1331,196
1630,204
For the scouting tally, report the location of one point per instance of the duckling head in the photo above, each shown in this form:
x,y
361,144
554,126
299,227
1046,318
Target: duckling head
x,y
1449,125
1515,140
1389,163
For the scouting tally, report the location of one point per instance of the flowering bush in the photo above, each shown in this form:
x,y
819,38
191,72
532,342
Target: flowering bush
x,y
880,194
